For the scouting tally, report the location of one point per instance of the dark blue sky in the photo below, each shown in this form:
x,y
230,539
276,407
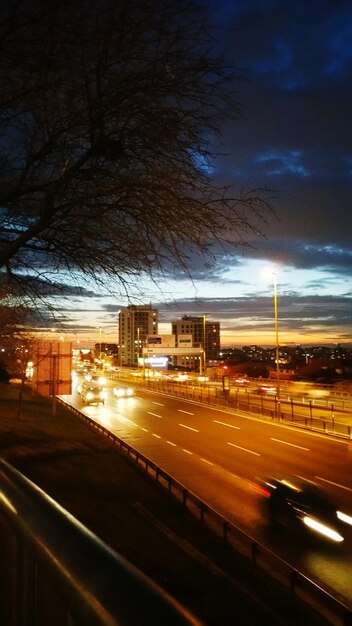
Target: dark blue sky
x,y
295,137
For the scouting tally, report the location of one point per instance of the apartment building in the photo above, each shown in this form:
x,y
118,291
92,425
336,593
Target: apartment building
x,y
136,323
205,334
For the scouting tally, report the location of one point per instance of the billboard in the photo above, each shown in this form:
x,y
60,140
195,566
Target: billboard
x,y
161,341
52,368
185,341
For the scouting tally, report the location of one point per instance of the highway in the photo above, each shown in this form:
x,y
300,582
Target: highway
x,y
218,455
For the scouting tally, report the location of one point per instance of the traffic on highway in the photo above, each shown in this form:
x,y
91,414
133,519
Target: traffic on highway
x,y
236,462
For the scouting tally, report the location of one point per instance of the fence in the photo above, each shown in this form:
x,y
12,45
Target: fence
x,y
299,586
300,414
55,571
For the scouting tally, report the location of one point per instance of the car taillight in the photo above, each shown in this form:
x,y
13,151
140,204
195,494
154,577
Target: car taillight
x,y
261,490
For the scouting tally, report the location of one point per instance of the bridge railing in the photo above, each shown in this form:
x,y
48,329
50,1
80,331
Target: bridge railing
x,y
288,410
53,570
299,587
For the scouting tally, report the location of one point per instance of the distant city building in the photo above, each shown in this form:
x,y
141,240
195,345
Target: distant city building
x,y
203,333
136,323
109,349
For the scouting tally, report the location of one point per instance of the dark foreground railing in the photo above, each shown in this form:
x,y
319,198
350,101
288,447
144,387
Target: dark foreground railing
x,y
54,571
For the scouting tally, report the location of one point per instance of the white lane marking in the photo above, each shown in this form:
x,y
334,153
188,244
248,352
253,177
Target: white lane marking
x,y
157,436
187,451
145,429
205,461
154,414
330,482
170,443
158,403
189,428
287,443
244,449
225,424
187,412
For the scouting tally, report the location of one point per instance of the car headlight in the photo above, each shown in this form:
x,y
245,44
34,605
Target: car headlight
x,y
344,517
129,392
89,395
322,529
102,395
119,392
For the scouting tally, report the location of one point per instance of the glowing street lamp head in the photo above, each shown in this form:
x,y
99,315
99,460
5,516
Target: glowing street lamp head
x,y
269,272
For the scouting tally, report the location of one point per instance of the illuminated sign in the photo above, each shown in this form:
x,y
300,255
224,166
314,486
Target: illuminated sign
x,y
157,361
164,341
184,341
154,340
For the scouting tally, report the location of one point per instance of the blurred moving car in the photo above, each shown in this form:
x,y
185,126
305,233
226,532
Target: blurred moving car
x,y
241,382
264,390
298,504
91,393
123,391
98,379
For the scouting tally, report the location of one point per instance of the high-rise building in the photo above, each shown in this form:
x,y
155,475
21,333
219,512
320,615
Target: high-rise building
x,y
136,322
205,334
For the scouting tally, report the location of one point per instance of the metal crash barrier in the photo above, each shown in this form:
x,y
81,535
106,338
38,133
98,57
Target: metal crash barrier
x,y
55,571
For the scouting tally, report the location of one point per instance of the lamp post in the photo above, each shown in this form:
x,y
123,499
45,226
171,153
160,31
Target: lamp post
x,y
277,345
204,337
138,344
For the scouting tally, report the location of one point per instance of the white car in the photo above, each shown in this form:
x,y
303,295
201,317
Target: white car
x,y
91,393
123,391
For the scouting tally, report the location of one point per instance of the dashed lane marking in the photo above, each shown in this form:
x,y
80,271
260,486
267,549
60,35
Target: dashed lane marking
x,y
189,428
226,424
244,449
287,443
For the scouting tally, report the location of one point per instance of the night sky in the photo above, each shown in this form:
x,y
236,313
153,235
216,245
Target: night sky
x,y
294,62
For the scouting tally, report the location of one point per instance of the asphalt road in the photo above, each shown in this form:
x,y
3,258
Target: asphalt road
x,y
218,455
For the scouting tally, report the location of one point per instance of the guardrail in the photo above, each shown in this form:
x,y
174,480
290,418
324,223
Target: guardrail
x,y
55,571
286,411
299,586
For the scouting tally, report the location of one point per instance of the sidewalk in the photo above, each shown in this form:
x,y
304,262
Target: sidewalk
x,y
126,509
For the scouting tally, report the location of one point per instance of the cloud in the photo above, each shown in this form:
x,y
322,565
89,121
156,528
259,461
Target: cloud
x,y
295,59
301,315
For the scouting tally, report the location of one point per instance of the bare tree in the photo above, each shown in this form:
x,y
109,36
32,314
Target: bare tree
x,y
108,110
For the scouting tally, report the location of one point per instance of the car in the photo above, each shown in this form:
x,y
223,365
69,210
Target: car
x,y
123,391
91,393
301,505
98,379
267,390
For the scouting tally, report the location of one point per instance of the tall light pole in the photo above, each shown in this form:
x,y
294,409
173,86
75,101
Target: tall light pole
x,y
277,343
138,344
204,337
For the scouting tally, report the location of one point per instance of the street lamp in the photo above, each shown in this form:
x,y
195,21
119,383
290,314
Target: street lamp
x,y
202,356
138,344
273,273
204,336
276,343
